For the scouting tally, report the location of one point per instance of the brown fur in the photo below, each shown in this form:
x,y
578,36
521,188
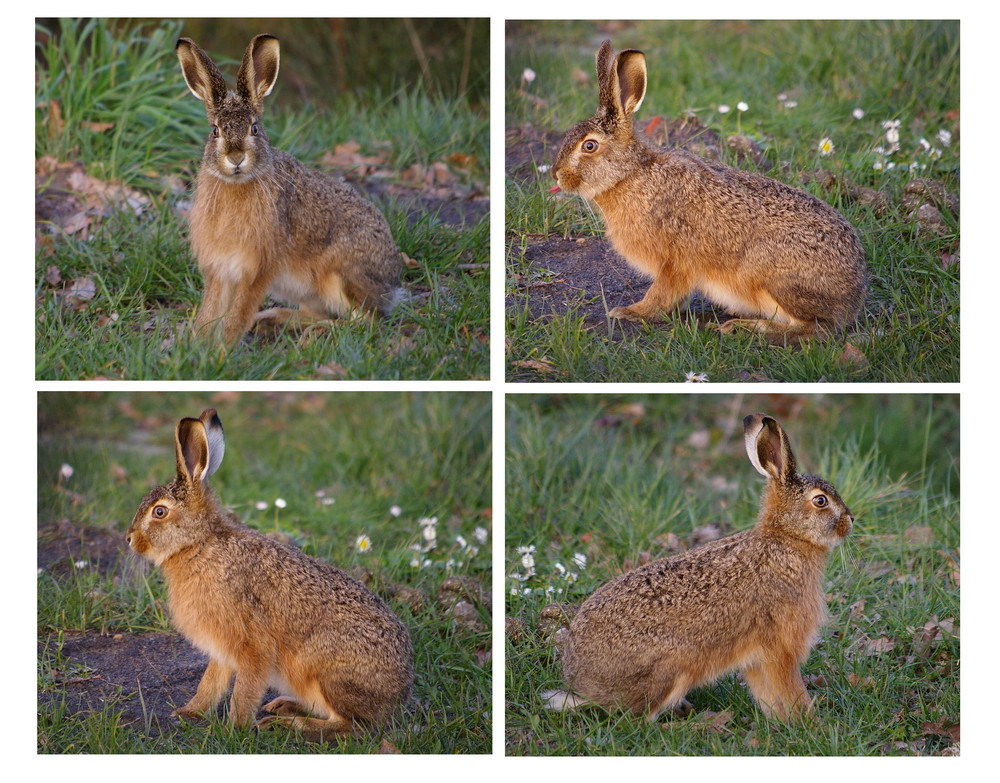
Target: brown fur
x,y
751,602
788,264
266,613
264,223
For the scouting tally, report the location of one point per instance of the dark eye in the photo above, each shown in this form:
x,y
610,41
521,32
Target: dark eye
x,y
160,512
215,131
821,501
590,145
253,129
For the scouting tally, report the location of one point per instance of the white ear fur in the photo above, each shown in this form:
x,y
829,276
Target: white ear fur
x,y
216,441
752,426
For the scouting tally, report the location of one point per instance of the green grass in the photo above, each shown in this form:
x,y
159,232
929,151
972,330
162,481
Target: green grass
x,y
614,477
429,454
113,99
905,71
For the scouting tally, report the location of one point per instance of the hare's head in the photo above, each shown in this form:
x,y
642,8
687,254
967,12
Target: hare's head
x,y
180,514
794,505
599,152
238,146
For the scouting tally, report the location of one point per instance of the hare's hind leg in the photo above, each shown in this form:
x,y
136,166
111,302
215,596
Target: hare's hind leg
x,y
775,332
293,714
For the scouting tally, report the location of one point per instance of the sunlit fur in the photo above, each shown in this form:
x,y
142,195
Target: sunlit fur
x,y
262,223
751,602
784,262
265,613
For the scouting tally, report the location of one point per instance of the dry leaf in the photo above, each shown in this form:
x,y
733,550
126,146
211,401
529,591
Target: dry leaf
x,y
877,646
951,730
538,365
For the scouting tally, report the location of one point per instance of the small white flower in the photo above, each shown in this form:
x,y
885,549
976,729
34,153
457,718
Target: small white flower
x,y
528,561
580,560
427,521
415,562
858,114
80,564
65,471
526,550
741,106
261,505
782,96
560,568
723,108
891,124
572,576
461,542
544,168
791,104
825,146
363,543
695,377
327,501
528,75
280,503
925,145
395,510
944,137
480,534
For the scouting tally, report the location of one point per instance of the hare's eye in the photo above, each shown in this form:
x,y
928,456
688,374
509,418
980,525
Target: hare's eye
x,y
821,501
160,512
254,129
215,131
590,145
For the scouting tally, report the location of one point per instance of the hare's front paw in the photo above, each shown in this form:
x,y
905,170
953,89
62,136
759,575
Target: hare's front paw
x,y
187,712
625,314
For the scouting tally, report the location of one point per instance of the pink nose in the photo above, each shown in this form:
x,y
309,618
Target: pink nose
x,y
554,189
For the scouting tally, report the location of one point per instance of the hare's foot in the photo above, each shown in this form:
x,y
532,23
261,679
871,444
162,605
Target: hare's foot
x,y
186,712
312,729
285,706
774,332
276,318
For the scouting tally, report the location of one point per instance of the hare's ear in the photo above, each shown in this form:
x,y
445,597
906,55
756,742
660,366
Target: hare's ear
x,y
767,447
630,80
259,70
622,82
202,77
216,439
200,447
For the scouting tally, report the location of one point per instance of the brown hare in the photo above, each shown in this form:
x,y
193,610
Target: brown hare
x,y
262,223
750,602
785,263
266,613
